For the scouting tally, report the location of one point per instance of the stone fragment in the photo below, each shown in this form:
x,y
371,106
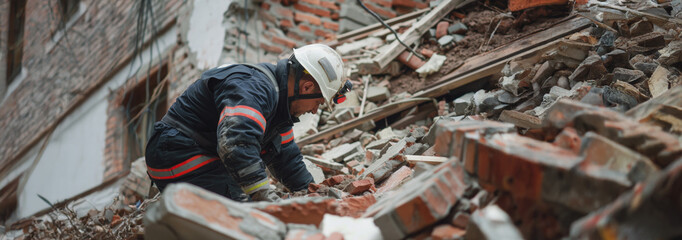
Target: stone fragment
x,y
462,103
592,68
490,223
457,38
617,59
318,174
647,68
344,114
313,149
641,27
446,41
630,90
543,72
378,94
186,211
324,163
671,54
433,65
658,82
628,76
337,154
306,126
457,28
386,133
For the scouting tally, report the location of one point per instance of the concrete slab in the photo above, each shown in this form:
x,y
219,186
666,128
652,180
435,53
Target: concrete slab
x,y
186,211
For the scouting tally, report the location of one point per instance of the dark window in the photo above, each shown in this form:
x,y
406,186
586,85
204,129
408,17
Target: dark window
x,y
144,105
15,43
69,7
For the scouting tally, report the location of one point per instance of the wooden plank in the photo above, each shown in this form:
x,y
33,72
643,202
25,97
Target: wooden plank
x,y
659,20
476,68
416,31
367,30
435,160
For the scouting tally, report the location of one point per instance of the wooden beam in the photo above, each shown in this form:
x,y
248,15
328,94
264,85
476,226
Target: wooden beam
x,y
476,68
435,160
367,30
416,31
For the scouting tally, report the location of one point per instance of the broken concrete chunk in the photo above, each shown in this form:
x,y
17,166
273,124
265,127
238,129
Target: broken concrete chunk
x,y
490,223
591,68
457,28
445,41
350,228
386,133
543,72
324,163
462,103
318,174
306,126
520,119
617,59
186,211
337,154
344,114
378,94
432,65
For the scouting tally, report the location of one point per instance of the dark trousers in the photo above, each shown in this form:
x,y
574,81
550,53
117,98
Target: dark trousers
x,y
167,147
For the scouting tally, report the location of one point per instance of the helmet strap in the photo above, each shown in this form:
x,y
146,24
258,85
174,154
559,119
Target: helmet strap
x,y
297,69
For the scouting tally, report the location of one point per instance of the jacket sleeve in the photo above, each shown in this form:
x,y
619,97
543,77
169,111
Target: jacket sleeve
x,y
288,167
244,102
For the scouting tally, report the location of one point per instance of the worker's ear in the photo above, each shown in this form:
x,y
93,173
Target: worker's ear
x,y
308,87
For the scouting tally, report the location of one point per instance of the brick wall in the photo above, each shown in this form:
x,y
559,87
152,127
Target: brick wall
x,y
99,43
283,25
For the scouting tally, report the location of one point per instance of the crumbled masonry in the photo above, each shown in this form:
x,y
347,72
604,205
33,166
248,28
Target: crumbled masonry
x,y
582,138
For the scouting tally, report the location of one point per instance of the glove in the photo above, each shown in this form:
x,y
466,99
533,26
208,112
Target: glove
x,y
266,194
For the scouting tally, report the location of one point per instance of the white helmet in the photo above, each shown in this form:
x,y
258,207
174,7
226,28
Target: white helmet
x,y
325,66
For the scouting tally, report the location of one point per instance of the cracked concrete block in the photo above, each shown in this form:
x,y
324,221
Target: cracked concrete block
x,y
457,28
377,94
446,41
386,133
306,126
491,222
377,144
186,211
434,64
462,103
324,163
318,174
344,114
337,154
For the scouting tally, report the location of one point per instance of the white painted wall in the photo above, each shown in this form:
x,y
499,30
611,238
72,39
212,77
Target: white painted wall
x,y
73,160
206,34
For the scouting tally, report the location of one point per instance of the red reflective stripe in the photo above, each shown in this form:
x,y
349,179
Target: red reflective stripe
x,y
285,141
252,110
180,165
176,166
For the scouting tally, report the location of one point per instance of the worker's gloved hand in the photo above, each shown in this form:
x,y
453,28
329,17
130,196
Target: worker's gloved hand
x,y
265,194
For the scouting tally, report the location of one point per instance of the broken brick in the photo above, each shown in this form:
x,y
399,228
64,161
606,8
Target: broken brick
x,y
446,231
360,186
442,29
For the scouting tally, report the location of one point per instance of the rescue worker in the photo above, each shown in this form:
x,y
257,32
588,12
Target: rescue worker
x,y
236,120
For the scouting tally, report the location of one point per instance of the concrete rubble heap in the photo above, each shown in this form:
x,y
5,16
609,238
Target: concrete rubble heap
x,y
581,139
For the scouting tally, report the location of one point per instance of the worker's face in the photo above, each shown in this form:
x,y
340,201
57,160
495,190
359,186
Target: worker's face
x,y
306,86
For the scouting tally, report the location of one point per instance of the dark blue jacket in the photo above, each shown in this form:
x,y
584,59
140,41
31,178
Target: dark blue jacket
x,y
246,122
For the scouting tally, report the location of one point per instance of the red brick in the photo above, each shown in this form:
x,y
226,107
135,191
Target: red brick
x,y
446,231
360,186
286,42
335,180
284,12
304,17
335,236
442,29
331,5
410,4
331,26
313,187
398,177
413,62
568,139
426,52
459,15
382,12
353,206
271,49
286,23
322,33
304,28
352,164
295,36
335,16
316,11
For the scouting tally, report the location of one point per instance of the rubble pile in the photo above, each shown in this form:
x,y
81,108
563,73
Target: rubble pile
x,y
581,139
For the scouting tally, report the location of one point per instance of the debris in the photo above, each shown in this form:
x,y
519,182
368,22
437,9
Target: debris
x,y
350,228
491,223
658,82
432,65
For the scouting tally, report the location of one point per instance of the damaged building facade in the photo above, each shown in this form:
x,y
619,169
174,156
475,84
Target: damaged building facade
x,y
542,119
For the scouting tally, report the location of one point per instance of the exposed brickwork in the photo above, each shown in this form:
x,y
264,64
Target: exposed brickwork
x,y
62,74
